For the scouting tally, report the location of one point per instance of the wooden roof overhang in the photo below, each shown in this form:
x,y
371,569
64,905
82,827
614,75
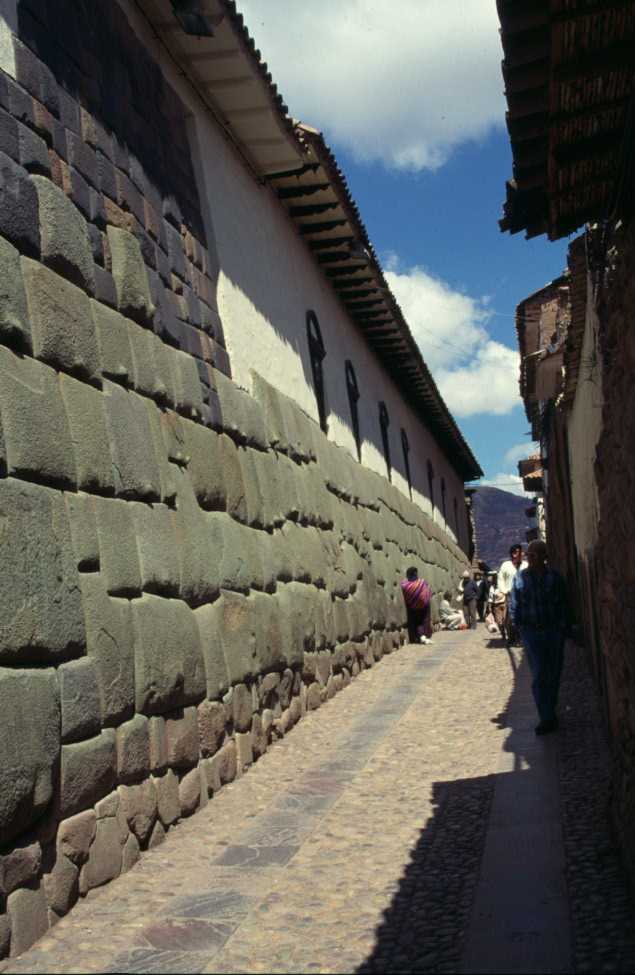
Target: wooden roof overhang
x,y
569,72
318,200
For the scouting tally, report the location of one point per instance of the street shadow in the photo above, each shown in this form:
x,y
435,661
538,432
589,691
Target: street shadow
x,y
424,927
554,895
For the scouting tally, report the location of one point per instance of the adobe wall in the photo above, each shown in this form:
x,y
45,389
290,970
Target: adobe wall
x,y
615,470
185,568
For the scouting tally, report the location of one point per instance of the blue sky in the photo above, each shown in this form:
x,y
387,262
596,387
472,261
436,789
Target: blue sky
x,y
412,104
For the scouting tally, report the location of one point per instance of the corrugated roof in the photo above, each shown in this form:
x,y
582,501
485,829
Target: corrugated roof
x,y
569,72
235,84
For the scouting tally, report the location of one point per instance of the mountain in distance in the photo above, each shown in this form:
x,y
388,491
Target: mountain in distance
x,y
500,520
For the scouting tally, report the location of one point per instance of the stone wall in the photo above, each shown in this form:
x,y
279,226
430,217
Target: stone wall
x,y
615,471
186,567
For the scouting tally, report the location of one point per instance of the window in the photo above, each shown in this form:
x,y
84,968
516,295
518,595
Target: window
x,y
317,354
406,458
431,486
445,517
384,423
353,396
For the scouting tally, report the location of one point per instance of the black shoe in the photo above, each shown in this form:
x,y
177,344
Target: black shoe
x,y
546,727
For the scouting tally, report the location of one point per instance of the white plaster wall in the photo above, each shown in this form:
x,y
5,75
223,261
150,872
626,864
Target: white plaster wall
x,y
584,428
267,282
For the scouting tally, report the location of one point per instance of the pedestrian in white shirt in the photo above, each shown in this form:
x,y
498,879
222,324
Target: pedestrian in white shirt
x,y
506,576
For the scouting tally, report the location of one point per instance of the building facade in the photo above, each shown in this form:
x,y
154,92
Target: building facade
x,y
570,83
220,446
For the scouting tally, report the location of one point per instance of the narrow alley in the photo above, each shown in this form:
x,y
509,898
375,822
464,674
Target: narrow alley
x,y
413,823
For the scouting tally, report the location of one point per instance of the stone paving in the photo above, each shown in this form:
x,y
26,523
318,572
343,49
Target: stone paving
x,y
363,842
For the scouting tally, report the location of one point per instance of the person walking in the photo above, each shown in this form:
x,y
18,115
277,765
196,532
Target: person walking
x,y
497,604
506,575
470,594
483,592
417,596
539,609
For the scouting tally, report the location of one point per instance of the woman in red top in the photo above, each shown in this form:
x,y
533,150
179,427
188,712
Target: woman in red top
x,y
417,596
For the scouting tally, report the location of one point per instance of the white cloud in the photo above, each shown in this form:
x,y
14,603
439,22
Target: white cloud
x,y
506,482
403,83
520,452
475,374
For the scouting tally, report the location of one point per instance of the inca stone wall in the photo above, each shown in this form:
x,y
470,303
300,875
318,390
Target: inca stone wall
x,y
613,582
186,567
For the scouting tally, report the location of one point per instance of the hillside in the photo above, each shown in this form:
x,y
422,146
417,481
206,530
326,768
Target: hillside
x,y
500,521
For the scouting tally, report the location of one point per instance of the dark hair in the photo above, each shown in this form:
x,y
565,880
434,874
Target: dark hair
x,y
447,595
516,548
411,573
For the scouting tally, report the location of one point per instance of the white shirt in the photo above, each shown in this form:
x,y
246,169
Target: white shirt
x,y
506,575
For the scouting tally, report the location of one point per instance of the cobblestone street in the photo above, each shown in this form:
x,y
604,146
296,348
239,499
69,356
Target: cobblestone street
x,y
412,823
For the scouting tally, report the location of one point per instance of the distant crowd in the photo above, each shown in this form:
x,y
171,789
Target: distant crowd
x,y
525,602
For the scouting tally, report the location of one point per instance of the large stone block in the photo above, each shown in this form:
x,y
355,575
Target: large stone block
x,y
62,328
40,604
167,790
15,327
241,553
75,835
197,545
243,417
64,241
110,646
133,749
157,548
87,772
20,867
29,918
85,411
139,806
135,463
209,620
61,885
80,700
221,768
268,475
235,495
83,525
131,277
188,393
158,744
269,399
243,624
192,790
113,342
211,717
119,555
203,448
153,365
104,858
182,738
37,439
241,707
297,608
167,482
19,220
169,669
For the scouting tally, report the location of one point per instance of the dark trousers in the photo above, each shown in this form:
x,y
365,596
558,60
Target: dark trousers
x,y
545,654
419,622
469,608
480,605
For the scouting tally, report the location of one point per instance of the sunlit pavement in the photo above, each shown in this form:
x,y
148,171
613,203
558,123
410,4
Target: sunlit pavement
x,y
414,823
